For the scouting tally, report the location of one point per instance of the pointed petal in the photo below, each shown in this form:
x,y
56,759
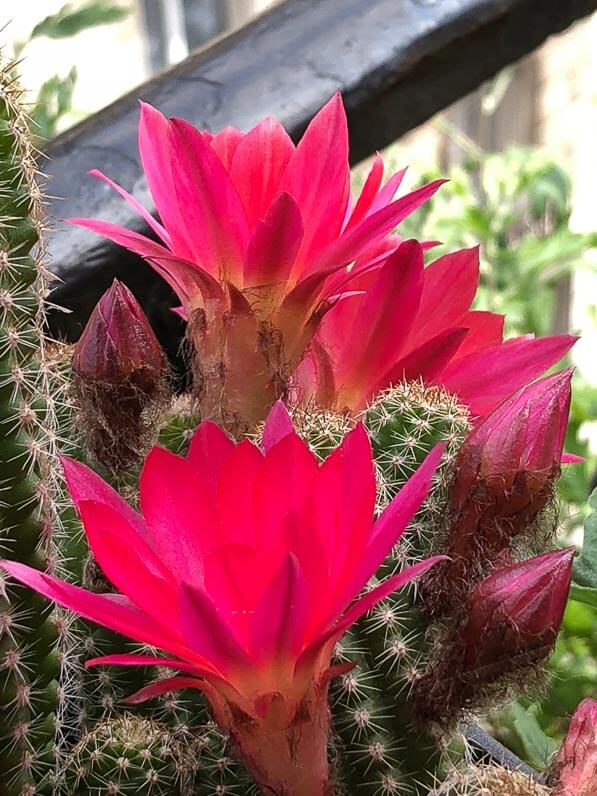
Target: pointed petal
x,y
389,309
258,165
279,620
318,177
386,193
485,329
84,484
207,630
179,512
147,660
277,425
353,243
103,609
156,159
368,192
209,450
274,245
449,287
211,205
389,527
225,143
425,362
483,379
160,231
127,560
161,687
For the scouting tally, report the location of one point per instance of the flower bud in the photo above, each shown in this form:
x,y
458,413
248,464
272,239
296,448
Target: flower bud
x,y
575,768
118,345
120,376
509,626
504,478
517,611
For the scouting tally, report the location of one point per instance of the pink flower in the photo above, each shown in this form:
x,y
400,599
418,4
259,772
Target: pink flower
x,y
245,568
255,234
576,764
405,321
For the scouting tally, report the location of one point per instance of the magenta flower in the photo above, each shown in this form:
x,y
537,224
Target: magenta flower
x,y
255,234
245,568
575,770
405,321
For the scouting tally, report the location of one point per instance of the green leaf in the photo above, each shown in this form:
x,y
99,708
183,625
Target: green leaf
x,y
585,566
54,100
538,747
70,20
584,594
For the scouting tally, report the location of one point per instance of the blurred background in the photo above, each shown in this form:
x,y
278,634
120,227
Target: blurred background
x,y
520,153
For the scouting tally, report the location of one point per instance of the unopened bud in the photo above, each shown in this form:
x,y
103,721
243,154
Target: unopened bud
x,y
120,374
504,478
575,769
509,627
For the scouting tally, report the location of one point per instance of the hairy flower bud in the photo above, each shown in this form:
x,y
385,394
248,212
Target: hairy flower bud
x,y
503,481
120,377
510,624
575,769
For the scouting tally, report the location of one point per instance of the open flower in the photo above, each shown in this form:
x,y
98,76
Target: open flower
x,y
405,321
245,567
254,236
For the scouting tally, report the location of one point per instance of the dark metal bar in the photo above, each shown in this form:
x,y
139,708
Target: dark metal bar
x,y
397,62
483,748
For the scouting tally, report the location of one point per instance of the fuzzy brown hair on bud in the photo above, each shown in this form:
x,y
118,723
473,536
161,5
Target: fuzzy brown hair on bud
x,y
574,772
509,627
120,376
503,486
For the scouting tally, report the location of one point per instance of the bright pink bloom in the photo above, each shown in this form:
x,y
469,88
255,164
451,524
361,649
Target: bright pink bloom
x,y
576,763
255,234
411,322
245,567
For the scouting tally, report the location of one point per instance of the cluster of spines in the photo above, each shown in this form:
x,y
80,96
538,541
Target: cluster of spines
x,y
489,780
34,640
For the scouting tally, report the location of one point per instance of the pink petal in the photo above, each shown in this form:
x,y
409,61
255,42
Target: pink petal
x,y
449,287
209,450
279,619
225,143
368,192
160,687
485,329
208,632
235,494
277,425
104,609
318,177
127,560
160,231
84,484
147,660
391,524
353,243
483,379
259,163
387,192
274,245
425,362
210,203
156,159
385,318
572,458
178,509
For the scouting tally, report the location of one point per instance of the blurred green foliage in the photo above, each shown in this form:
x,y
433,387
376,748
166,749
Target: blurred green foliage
x,y
54,99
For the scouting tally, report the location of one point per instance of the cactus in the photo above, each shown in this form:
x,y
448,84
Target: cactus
x,y
489,781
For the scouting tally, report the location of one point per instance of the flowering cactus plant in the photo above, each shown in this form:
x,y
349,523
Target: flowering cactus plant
x,y
342,548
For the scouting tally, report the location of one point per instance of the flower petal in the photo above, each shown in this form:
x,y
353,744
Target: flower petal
x,y
165,686
277,425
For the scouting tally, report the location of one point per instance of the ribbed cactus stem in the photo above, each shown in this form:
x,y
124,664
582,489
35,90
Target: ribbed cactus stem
x,y
33,639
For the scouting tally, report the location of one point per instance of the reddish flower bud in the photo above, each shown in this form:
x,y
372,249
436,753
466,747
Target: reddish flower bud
x,y
504,479
118,344
509,626
517,611
120,379
575,770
